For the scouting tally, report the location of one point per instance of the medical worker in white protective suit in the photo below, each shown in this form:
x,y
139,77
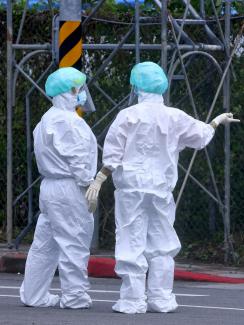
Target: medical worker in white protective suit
x,y
141,150
66,155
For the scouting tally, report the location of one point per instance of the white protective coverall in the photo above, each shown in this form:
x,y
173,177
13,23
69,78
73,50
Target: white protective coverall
x,y
142,149
66,155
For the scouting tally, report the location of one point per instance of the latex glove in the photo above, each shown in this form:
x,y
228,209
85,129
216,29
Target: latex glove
x,y
223,119
93,191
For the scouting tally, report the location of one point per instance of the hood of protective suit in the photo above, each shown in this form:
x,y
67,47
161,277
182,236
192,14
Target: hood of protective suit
x,y
149,97
66,101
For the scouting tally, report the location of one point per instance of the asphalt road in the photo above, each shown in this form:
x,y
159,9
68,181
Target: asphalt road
x,y
200,304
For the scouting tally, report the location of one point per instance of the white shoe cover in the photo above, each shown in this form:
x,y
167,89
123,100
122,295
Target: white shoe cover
x,y
162,306
50,301
74,301
130,306
54,300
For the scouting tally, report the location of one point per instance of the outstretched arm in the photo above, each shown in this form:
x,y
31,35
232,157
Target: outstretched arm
x,y
197,134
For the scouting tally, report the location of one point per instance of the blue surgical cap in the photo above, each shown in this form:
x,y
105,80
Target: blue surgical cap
x,y
149,77
62,80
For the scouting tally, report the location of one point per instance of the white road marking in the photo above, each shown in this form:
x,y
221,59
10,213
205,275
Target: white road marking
x,y
190,295
96,300
188,306
212,307
104,291
7,287
101,300
110,291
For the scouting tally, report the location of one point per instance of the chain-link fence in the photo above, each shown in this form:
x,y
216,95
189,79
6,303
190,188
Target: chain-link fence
x,y
3,91
200,211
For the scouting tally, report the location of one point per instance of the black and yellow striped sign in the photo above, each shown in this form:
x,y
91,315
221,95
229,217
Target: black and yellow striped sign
x,y
70,44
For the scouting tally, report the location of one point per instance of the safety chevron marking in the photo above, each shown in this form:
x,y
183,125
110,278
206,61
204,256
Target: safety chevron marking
x,y
70,44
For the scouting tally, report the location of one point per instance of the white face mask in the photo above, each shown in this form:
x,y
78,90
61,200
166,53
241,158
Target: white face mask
x,y
81,98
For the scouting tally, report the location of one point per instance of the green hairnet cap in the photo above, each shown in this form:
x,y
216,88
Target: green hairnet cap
x,y
149,77
62,80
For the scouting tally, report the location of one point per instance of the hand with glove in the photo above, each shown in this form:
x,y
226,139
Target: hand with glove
x,y
223,119
93,191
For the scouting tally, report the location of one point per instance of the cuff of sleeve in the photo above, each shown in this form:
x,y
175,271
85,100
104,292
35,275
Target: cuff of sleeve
x,y
101,177
213,124
112,166
84,183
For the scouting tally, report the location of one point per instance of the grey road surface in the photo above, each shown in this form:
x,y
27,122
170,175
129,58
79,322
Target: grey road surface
x,y
200,304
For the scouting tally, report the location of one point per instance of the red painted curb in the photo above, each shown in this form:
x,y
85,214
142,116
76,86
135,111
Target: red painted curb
x,y
12,262
103,267
205,277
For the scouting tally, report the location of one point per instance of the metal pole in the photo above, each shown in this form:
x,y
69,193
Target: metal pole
x,y
137,46
164,35
137,30
226,104
70,10
202,8
70,41
22,22
9,124
151,47
29,157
